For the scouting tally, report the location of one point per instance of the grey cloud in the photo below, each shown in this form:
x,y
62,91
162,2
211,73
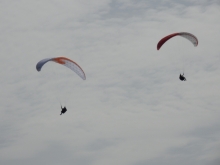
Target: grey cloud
x,y
132,109
101,144
55,154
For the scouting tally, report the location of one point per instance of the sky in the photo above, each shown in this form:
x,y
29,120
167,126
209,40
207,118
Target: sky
x,y
132,109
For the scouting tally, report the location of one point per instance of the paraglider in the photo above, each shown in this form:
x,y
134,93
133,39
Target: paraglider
x,y
63,110
63,61
186,35
66,62
182,78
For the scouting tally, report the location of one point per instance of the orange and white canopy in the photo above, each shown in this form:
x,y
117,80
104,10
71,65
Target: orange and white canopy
x,y
63,61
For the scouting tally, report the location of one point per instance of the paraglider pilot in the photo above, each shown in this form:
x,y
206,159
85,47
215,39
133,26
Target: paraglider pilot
x,y
182,78
63,110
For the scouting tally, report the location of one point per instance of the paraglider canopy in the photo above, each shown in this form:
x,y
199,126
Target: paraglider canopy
x,y
63,61
186,35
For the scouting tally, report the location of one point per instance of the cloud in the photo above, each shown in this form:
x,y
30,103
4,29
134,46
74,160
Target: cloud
x,y
202,147
132,109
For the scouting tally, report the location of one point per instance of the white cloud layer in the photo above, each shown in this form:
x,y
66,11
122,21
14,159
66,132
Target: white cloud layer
x,y
132,109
